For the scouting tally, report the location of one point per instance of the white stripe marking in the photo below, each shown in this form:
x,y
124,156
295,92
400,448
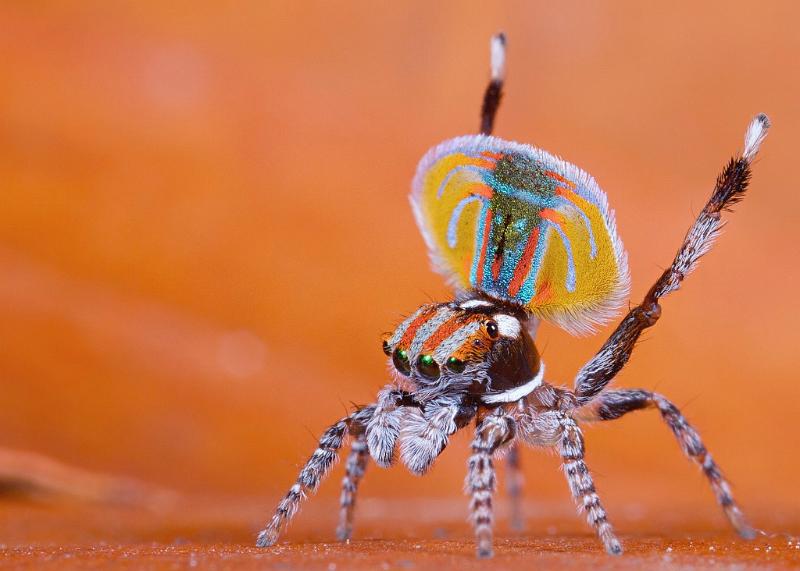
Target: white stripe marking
x,y
475,303
512,395
498,51
508,326
756,132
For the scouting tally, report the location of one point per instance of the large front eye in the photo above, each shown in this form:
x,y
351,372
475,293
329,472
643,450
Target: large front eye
x,y
400,360
456,365
427,367
492,329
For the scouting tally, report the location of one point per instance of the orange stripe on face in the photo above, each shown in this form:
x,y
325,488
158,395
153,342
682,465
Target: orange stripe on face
x,y
446,329
469,351
482,255
408,336
524,265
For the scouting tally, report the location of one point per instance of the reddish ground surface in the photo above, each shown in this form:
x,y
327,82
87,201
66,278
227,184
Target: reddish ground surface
x,y
407,535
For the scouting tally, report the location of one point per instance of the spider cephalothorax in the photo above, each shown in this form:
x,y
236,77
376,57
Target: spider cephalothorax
x,y
474,346
522,236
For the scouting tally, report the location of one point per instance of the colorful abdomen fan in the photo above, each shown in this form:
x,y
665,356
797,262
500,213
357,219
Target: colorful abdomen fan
x,y
521,225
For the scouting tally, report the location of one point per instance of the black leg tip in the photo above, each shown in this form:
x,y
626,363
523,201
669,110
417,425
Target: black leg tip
x,y
485,553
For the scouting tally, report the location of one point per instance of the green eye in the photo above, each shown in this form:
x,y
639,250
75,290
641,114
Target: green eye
x,y
400,360
428,367
456,365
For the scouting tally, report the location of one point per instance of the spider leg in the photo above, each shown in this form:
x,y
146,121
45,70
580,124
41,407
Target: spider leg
x,y
571,448
614,404
375,435
314,471
494,91
492,432
353,472
383,427
729,189
514,481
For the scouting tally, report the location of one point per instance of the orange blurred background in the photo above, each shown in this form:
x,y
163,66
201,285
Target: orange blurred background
x,y
205,227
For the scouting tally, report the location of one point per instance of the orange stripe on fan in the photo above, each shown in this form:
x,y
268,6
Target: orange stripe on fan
x,y
479,189
552,215
496,267
559,178
482,255
483,163
491,155
569,195
524,265
544,294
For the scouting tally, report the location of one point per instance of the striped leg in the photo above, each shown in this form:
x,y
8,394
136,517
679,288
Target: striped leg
x,y
514,482
494,91
311,475
730,188
581,484
353,472
614,404
490,434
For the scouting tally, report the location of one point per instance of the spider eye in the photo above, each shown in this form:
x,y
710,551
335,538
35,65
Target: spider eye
x,y
428,367
400,360
456,365
387,348
492,330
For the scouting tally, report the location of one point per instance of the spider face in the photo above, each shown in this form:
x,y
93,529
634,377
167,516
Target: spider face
x,y
475,345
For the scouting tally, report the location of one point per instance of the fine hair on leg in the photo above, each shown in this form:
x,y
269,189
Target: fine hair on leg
x,y
614,404
491,433
514,481
312,474
494,91
571,448
383,427
354,469
425,434
729,189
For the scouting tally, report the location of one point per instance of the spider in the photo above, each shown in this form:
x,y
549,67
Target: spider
x,y
523,237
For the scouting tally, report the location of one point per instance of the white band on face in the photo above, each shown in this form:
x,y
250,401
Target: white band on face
x,y
507,326
512,395
475,303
